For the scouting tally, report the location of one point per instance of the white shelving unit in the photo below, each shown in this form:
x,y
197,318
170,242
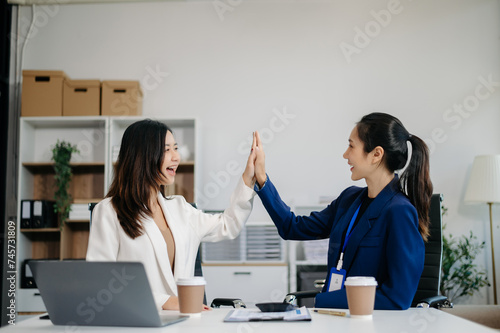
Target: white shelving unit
x,y
38,135
252,267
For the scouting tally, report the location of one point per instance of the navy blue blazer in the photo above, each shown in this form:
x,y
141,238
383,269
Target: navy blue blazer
x,y
385,244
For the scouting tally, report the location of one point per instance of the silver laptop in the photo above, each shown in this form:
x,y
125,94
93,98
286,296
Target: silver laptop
x,y
98,294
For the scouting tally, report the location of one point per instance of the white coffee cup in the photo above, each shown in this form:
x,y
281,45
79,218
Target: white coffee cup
x,y
360,292
191,292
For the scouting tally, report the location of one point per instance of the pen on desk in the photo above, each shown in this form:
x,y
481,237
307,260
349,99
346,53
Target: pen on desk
x,y
331,312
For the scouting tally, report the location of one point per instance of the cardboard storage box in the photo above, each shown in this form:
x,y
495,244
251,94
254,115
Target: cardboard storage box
x,y
121,98
42,93
82,98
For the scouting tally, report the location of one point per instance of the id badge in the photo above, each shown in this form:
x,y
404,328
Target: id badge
x,y
337,278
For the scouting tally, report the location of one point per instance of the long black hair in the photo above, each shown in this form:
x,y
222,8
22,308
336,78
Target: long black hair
x,y
138,173
386,131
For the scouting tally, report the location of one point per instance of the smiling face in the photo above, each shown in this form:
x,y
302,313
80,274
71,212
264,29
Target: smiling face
x,y
360,161
171,160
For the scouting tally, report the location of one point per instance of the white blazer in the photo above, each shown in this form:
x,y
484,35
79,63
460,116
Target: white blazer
x,y
109,242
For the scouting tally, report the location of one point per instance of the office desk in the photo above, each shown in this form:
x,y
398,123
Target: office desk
x,y
409,321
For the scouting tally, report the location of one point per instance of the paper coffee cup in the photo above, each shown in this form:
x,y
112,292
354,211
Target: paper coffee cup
x,y
360,295
190,292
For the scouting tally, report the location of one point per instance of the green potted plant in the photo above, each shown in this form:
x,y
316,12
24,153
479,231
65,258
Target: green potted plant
x,y
61,155
460,276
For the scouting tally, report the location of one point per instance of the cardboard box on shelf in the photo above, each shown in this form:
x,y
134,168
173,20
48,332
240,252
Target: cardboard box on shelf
x,y
82,98
121,98
42,93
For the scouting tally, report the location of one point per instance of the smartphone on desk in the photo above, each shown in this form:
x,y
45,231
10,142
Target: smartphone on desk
x,y
275,307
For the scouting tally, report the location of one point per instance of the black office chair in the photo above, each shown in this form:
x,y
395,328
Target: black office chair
x,y
427,294
197,264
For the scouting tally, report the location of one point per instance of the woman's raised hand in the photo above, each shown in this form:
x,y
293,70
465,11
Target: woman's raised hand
x,y
260,160
249,173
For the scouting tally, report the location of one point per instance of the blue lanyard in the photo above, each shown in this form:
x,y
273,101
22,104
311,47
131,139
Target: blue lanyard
x,y
347,236
349,229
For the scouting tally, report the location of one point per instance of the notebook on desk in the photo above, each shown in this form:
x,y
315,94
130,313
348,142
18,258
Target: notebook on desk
x,y
98,294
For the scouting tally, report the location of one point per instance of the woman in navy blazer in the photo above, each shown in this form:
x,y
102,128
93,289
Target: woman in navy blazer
x,y
391,223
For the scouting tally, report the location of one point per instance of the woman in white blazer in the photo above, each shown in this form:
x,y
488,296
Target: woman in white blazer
x,y
135,222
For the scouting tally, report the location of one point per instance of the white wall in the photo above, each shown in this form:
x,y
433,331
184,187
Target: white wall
x,y
235,71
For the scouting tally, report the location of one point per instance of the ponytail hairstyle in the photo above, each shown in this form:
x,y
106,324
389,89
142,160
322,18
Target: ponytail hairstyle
x,y
386,131
138,173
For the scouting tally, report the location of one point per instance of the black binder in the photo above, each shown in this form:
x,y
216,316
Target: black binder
x,y
38,214
26,214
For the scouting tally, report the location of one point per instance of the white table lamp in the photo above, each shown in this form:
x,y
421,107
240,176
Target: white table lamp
x,y
484,187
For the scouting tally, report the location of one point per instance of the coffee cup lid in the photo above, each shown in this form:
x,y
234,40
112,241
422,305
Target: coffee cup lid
x,y
360,281
192,281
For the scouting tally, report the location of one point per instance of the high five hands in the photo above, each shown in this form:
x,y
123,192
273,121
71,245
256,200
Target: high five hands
x,y
256,167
